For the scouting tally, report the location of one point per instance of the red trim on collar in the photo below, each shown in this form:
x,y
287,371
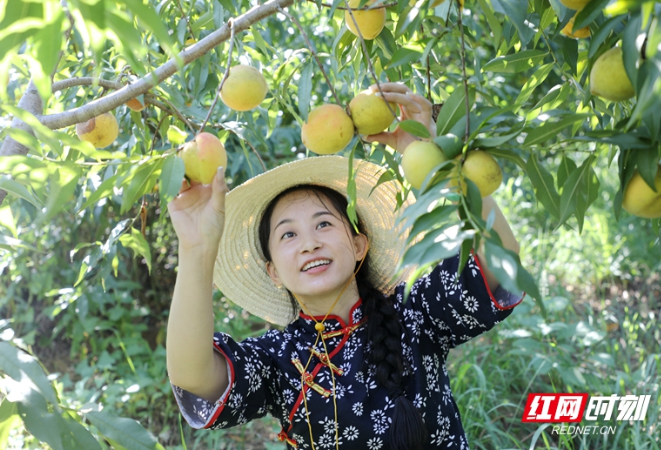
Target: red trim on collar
x,y
334,316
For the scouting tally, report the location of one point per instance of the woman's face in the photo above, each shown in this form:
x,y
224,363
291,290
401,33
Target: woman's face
x,y
303,230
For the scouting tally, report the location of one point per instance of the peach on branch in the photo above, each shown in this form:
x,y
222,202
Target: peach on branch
x,y
202,156
328,130
370,112
245,88
100,131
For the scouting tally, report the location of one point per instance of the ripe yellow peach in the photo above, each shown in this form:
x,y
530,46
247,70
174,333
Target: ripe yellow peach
x,y
370,22
419,158
202,156
483,170
581,33
609,79
328,130
370,113
245,88
640,200
101,130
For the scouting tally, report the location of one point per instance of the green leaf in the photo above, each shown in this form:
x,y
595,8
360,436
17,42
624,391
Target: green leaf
x,y
48,42
571,190
61,186
506,266
136,242
9,243
454,108
535,80
587,194
148,17
496,141
646,160
630,53
9,419
517,62
403,56
25,369
436,245
127,432
142,182
18,190
494,23
450,144
567,166
600,36
431,220
589,13
509,155
305,90
515,11
176,136
556,95
415,128
172,175
542,183
408,19
625,140
551,129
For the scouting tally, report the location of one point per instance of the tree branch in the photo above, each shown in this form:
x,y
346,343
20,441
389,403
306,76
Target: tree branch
x,y
369,61
188,55
85,81
463,69
230,23
314,54
32,102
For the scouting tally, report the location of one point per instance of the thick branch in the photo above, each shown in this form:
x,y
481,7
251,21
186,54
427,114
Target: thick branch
x,y
85,81
121,96
31,101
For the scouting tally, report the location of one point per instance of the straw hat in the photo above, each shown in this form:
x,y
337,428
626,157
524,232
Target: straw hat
x,y
240,269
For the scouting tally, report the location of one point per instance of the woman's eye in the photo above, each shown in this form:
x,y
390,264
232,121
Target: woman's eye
x,y
288,232
324,222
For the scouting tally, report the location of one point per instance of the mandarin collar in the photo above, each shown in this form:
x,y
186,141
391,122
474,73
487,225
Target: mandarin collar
x,y
333,321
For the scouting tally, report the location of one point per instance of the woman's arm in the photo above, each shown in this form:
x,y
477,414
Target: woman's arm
x,y
502,227
418,108
192,362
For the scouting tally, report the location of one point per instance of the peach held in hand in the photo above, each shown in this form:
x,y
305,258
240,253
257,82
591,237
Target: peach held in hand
x,y
202,156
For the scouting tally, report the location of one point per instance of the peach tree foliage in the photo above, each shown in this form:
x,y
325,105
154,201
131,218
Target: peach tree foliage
x,y
508,80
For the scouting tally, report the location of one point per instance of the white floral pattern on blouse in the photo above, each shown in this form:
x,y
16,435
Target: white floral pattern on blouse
x,y
443,310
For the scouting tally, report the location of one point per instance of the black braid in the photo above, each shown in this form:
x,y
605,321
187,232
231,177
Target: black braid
x,y
384,332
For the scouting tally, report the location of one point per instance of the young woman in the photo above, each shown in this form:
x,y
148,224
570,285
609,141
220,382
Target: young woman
x,y
354,367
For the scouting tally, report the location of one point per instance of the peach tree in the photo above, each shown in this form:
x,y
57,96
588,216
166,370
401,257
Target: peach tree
x,y
550,90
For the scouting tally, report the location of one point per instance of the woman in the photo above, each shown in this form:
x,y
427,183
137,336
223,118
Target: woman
x,y
354,368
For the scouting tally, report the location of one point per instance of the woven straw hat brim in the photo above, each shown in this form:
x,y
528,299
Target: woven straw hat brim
x,y
240,269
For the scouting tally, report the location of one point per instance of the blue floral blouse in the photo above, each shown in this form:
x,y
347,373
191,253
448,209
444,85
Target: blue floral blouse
x,y
443,311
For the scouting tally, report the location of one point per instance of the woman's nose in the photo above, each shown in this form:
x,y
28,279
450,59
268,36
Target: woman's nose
x,y
310,243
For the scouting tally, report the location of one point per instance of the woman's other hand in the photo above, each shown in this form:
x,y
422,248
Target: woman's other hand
x,y
412,107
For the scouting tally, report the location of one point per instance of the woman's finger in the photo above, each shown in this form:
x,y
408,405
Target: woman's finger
x,y
424,104
385,138
390,87
403,100
184,186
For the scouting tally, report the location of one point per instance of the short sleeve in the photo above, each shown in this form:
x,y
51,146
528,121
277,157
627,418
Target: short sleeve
x,y
455,308
249,394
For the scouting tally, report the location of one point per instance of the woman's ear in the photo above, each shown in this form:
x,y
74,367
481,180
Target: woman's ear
x,y
273,273
361,246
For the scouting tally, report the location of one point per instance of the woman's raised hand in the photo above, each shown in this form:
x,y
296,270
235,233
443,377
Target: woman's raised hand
x,y
198,213
412,107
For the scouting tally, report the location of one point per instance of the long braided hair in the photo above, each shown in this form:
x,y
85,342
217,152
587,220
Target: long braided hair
x,y
384,329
